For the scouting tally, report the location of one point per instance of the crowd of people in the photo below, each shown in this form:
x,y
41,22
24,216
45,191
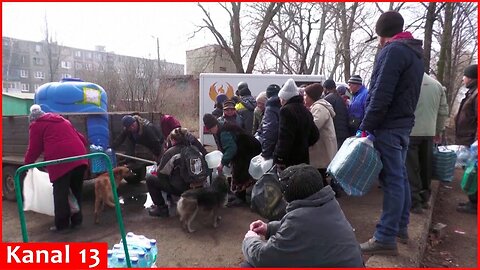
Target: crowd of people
x,y
300,129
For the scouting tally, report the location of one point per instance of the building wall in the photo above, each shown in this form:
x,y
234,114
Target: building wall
x,y
209,59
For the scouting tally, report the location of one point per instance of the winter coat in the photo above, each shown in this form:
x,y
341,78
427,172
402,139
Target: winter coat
x,y
395,85
148,135
238,149
297,132
268,132
234,120
56,138
249,103
340,121
432,109
323,151
466,118
357,105
313,233
217,112
257,120
170,166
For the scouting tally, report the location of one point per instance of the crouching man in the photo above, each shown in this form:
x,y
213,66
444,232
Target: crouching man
x,y
313,233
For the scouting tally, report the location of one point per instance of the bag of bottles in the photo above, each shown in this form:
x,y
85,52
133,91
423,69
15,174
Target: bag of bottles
x,y
143,252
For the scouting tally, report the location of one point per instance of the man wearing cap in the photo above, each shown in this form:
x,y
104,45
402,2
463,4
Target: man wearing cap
x,y
340,120
466,125
313,233
219,100
356,110
389,116
230,114
268,132
139,130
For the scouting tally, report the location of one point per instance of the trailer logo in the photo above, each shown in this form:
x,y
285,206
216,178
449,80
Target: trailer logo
x,y
214,91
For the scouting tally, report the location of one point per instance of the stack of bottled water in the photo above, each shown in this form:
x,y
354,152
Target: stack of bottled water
x,y
98,164
141,250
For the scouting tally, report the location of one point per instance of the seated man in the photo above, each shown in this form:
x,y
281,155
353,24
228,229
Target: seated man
x,y
169,178
313,233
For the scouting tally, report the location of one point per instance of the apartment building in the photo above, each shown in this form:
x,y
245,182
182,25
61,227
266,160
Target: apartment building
x,y
27,64
209,59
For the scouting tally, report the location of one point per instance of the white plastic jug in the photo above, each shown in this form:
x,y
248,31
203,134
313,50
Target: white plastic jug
x,y
213,159
259,166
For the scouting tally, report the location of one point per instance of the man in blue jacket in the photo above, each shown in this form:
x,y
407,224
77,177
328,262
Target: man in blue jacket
x,y
391,102
356,110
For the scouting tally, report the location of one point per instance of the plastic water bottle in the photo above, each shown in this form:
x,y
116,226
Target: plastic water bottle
x,y
134,262
120,262
153,245
142,260
109,258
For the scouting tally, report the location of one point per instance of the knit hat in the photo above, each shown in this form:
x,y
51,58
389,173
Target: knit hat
x,y
272,90
179,135
221,98
209,120
243,90
262,97
168,123
355,79
471,71
229,104
389,24
314,91
300,181
329,84
341,89
289,90
128,120
35,112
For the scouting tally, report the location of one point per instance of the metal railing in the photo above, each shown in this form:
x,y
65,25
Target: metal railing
x,y
18,193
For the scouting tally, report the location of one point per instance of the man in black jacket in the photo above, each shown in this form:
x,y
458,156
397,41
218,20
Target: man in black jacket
x,y
395,87
340,121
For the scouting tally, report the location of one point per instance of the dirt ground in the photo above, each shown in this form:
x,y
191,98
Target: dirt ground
x,y
458,248
207,247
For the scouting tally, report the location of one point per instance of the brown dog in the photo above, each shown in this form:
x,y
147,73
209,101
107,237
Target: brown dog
x,y
207,198
103,189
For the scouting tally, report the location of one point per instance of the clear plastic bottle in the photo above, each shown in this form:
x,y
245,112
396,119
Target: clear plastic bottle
x,y
153,245
134,262
120,262
110,258
142,261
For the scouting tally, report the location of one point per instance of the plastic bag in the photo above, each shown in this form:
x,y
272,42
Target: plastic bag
x,y
73,203
469,180
38,193
267,197
444,162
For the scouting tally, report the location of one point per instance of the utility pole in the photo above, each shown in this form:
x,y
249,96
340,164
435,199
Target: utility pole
x,y
158,56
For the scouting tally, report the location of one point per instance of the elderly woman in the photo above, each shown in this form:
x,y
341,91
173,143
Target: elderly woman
x,y
259,110
56,138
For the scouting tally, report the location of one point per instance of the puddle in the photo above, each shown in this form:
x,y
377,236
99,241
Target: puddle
x,y
136,199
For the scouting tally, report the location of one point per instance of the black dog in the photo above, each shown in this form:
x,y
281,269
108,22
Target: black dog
x,y
208,198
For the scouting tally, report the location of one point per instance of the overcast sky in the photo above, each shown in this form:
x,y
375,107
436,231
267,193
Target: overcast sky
x,y
124,28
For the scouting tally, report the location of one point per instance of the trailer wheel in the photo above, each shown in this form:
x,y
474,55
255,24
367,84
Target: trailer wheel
x,y
8,182
138,177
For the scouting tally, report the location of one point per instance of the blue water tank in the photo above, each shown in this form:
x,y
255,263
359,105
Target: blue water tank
x,y
72,95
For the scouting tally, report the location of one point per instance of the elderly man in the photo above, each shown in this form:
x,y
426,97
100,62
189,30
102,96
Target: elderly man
x,y
356,110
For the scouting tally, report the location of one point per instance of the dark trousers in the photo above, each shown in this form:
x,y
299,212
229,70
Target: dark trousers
x,y
73,180
159,183
473,199
419,168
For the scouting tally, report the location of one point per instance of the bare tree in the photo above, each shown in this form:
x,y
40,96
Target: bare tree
x,y
53,52
234,47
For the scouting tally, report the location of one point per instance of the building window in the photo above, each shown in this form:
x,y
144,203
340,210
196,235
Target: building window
x,y
78,66
25,87
223,68
65,64
23,73
36,86
38,48
88,66
88,55
23,59
38,61
39,75
78,54
66,75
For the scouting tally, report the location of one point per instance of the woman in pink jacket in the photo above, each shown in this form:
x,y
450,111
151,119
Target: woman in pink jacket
x,y
56,138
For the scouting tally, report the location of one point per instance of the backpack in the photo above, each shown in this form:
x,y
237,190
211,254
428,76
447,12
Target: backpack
x,y
193,167
267,197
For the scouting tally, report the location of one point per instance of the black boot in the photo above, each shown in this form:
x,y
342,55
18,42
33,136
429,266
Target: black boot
x,y
159,211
